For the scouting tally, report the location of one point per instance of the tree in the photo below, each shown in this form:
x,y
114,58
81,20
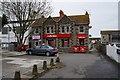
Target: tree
x,y
4,20
24,13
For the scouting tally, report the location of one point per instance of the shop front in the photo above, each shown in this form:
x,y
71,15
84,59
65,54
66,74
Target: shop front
x,y
81,46
57,40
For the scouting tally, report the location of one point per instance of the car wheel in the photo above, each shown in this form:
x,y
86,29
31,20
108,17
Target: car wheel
x,y
47,53
30,52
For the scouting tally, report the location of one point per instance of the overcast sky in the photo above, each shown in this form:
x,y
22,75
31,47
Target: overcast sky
x,y
103,13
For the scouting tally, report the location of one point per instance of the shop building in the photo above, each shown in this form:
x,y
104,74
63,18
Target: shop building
x,y
62,32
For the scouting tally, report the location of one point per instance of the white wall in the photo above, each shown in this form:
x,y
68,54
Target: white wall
x,y
112,52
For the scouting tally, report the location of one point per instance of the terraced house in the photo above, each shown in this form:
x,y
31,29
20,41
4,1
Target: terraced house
x,y
62,32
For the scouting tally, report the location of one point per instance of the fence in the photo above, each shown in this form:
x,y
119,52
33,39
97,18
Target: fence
x,y
113,52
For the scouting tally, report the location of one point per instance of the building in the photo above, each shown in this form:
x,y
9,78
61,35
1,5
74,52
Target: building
x,y
62,32
110,36
7,36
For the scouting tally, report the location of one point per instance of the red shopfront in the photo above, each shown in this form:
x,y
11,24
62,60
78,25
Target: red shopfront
x,y
81,44
51,39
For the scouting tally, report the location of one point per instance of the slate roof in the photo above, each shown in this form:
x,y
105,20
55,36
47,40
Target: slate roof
x,y
78,19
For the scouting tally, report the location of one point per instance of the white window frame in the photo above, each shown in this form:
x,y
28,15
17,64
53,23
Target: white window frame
x,y
38,30
83,29
50,29
65,29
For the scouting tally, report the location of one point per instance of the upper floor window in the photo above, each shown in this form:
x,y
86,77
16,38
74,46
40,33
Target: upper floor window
x,y
49,29
36,30
68,29
65,29
81,29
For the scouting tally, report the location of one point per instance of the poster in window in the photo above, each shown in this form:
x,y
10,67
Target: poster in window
x,y
65,43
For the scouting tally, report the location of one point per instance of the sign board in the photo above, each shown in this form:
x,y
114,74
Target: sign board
x,y
56,35
35,37
81,36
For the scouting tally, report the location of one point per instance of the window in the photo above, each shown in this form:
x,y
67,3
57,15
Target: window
x,y
81,29
68,29
81,41
36,30
65,42
63,29
37,47
36,43
43,46
49,29
51,42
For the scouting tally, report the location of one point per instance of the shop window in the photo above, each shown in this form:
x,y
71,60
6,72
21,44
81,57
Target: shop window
x,y
51,42
65,42
36,30
36,43
81,41
81,29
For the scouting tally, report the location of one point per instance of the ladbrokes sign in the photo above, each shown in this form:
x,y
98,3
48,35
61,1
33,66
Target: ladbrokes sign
x,y
56,35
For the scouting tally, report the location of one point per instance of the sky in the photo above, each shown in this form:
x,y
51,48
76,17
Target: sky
x,y
103,13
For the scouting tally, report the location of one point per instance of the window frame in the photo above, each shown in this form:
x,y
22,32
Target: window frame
x,y
36,30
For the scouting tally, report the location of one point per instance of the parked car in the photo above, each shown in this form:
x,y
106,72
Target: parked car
x,y
42,49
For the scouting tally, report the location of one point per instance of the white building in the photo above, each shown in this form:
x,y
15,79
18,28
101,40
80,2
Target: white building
x,y
110,36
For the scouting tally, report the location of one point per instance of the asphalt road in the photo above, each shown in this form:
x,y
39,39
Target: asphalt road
x,y
84,66
77,65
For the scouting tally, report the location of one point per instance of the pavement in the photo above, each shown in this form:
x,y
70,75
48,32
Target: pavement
x,y
12,53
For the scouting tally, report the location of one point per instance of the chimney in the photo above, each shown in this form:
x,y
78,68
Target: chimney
x,y
61,13
86,13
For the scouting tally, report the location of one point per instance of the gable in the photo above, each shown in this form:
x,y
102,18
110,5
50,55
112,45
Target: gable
x,y
49,21
65,20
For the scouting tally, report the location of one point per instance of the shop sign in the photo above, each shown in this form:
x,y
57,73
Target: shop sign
x,y
35,37
56,35
81,36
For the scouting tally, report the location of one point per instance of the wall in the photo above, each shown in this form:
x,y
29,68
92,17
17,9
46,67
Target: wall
x,y
112,52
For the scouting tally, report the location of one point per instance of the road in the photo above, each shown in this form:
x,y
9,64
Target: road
x,y
77,65
91,65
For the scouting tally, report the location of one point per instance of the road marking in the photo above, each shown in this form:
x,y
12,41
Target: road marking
x,y
24,62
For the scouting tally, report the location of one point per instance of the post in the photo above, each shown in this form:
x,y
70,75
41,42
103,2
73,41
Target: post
x,y
34,71
45,65
57,58
17,76
51,62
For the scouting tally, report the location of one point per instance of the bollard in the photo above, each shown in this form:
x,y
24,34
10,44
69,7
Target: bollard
x,y
34,71
51,62
17,76
57,58
45,65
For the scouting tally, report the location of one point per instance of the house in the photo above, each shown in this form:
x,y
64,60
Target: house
x,y
110,36
62,32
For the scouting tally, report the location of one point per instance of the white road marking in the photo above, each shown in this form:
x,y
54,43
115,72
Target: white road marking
x,y
24,62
